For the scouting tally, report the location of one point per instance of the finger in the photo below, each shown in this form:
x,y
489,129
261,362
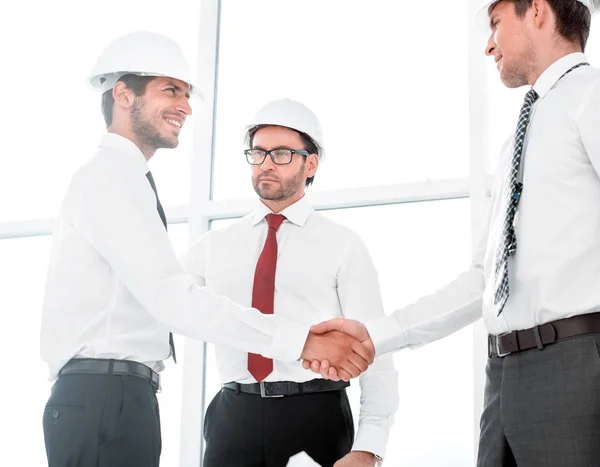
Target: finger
x,y
306,364
370,348
350,368
358,362
334,324
333,375
324,369
344,375
371,357
315,366
362,351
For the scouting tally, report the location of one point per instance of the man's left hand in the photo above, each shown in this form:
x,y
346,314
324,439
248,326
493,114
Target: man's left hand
x,y
357,459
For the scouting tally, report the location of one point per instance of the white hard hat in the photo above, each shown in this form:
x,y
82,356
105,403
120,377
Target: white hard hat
x,y
291,114
140,53
483,21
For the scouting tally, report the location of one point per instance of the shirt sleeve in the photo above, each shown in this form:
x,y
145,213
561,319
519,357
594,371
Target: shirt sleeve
x,y
360,298
588,123
435,316
117,215
194,259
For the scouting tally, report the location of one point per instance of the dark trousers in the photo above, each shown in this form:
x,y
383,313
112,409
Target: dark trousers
x,y
94,420
245,430
542,407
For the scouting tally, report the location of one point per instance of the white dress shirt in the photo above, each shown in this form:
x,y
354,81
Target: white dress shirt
x,y
115,287
555,272
323,270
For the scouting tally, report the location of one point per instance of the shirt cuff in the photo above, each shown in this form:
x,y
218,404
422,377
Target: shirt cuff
x,y
371,438
288,340
386,334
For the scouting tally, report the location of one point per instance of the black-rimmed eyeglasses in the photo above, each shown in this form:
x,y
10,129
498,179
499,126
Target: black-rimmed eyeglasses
x,y
278,156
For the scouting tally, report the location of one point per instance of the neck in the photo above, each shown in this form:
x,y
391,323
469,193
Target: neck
x,y
147,151
556,52
276,206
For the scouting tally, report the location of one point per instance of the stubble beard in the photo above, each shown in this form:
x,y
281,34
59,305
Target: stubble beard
x,y
146,133
286,188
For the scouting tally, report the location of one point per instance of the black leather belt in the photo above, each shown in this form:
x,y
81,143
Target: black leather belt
x,y
542,335
102,366
286,388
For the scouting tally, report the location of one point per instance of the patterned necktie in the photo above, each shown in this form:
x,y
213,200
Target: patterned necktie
x,y
161,213
506,244
263,291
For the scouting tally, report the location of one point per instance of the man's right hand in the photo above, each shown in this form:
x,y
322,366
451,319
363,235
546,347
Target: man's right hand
x,y
343,352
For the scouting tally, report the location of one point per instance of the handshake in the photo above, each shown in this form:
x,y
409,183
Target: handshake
x,y
338,349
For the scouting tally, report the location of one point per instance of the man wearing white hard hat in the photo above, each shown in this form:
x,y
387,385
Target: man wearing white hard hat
x,y
286,259
536,274
115,288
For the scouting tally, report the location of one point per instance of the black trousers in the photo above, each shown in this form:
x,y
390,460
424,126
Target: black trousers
x,y
245,430
542,407
95,420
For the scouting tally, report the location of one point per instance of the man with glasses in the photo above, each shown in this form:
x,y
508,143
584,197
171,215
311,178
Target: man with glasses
x,y
285,258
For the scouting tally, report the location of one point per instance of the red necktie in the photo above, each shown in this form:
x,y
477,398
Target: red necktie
x,y
263,292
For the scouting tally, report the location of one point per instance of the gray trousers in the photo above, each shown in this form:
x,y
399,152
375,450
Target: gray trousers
x,y
95,420
542,407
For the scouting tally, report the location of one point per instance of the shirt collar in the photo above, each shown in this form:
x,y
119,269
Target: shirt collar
x,y
552,74
125,146
298,213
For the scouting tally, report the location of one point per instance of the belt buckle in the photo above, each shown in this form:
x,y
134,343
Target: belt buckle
x,y
497,339
263,392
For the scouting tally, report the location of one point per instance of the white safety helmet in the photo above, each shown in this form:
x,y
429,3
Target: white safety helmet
x,y
291,114
483,21
140,53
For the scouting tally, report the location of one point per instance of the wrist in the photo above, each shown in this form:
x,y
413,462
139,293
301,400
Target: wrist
x,y
307,349
366,456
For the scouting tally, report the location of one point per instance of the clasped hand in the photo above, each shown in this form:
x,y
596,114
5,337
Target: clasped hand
x,y
338,349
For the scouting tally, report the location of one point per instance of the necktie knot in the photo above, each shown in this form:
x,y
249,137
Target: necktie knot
x,y
531,96
274,221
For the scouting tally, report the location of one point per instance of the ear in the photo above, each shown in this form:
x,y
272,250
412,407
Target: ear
x,y
312,163
541,13
122,95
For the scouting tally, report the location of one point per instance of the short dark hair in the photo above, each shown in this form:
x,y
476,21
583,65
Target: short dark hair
x,y
307,141
134,82
573,18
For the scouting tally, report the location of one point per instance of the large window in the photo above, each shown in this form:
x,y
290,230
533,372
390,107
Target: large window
x,y
415,252
54,118
388,83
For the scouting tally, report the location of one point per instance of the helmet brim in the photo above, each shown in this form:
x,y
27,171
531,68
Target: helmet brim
x,y
107,81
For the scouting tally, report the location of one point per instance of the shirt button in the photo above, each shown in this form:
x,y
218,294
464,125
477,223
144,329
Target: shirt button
x,y
55,414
